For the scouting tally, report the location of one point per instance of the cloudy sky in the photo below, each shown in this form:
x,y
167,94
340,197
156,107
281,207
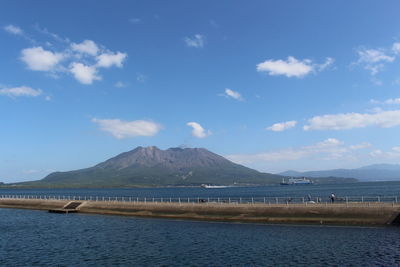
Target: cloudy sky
x,y
273,85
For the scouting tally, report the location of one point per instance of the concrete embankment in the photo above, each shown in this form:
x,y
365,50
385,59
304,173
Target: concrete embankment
x,y
343,214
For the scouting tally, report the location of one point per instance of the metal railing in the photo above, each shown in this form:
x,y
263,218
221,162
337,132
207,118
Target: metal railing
x,y
218,200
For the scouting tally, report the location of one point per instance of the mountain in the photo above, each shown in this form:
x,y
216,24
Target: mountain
x,y
150,166
384,167
376,172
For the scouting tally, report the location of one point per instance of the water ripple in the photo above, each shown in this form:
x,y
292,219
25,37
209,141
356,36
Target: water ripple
x,y
36,238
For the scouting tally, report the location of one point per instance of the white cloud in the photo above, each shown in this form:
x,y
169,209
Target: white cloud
x,y
39,59
135,20
292,67
198,131
373,56
83,59
87,47
396,48
20,91
376,153
56,37
197,41
393,101
141,78
125,129
376,110
394,153
390,101
384,119
328,62
279,127
109,59
376,81
360,146
328,154
327,149
120,84
373,59
396,148
13,29
233,94
84,74
329,142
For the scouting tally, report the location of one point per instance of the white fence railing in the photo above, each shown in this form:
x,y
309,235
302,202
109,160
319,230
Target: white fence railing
x,y
231,200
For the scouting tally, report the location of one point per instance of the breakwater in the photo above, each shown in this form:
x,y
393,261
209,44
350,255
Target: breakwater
x,y
349,213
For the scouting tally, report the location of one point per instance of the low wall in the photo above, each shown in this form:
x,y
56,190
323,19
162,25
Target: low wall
x,y
35,204
343,214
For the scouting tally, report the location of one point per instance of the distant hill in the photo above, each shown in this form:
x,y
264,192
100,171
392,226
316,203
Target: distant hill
x,y
150,166
376,172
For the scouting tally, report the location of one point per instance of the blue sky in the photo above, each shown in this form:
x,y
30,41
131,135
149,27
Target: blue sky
x,y
273,85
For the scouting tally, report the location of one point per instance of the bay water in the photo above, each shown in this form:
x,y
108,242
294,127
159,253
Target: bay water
x,y
38,238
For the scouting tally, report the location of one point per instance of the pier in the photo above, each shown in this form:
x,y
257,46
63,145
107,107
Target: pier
x,y
228,210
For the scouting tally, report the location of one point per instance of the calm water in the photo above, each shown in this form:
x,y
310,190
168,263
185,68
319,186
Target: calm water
x,y
37,238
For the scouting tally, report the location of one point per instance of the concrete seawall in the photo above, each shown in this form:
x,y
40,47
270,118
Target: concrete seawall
x,y
340,214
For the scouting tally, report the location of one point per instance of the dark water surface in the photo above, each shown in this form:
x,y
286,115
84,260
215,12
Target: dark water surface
x,y
37,238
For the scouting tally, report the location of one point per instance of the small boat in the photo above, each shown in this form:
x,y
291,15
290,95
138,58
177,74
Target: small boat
x,y
213,186
297,181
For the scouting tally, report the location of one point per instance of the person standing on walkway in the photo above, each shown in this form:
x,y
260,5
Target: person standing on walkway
x,y
333,197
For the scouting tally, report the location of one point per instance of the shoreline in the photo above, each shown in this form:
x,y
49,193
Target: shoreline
x,y
352,214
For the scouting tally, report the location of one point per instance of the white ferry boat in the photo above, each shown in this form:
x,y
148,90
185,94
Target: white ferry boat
x,y
213,186
297,181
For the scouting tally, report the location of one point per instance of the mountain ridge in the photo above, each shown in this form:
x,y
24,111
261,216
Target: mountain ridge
x,y
374,172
